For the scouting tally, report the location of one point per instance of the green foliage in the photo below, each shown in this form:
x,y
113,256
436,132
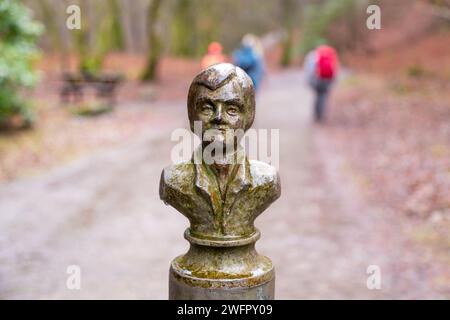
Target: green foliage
x,y
194,25
318,18
18,34
107,33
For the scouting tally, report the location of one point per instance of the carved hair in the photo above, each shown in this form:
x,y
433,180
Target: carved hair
x,y
215,77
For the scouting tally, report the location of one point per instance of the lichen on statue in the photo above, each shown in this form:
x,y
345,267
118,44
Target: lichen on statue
x,y
221,198
221,192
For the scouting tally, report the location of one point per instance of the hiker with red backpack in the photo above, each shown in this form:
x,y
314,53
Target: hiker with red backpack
x,y
321,66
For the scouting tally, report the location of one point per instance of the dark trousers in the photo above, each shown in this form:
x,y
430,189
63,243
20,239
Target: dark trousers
x,y
322,88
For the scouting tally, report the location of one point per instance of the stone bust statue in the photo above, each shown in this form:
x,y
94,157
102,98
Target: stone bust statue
x,y
221,192
223,198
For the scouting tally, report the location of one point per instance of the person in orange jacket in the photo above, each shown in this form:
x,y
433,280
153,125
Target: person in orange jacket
x,y
213,56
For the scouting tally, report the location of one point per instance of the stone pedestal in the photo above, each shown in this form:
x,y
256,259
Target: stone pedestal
x,y
221,270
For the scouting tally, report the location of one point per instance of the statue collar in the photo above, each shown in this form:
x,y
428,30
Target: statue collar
x,y
208,187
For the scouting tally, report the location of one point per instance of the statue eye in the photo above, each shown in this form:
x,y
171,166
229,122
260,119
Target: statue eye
x,y
207,109
232,110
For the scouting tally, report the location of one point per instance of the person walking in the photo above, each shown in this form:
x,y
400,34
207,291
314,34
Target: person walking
x,y
213,56
321,66
250,57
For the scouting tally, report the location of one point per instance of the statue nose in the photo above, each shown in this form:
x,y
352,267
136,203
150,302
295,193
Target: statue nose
x,y
218,117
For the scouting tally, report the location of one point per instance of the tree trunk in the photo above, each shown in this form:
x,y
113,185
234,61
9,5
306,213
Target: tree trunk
x,y
50,17
117,41
183,28
289,9
154,52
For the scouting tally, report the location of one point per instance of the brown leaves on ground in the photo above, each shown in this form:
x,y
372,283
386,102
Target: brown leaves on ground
x,y
395,133
393,119
399,139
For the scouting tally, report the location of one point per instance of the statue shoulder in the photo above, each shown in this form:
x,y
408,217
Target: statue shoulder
x,y
263,173
266,185
176,177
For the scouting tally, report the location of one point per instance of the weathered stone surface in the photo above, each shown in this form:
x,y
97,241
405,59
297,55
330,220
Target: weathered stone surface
x,y
193,190
222,198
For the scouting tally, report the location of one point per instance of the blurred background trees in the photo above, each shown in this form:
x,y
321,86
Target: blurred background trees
x,y
182,28
320,16
155,40
186,27
18,34
157,27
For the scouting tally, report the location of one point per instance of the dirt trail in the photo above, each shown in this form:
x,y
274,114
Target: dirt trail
x,y
103,213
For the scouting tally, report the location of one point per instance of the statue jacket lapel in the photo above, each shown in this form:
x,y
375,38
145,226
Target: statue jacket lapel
x,y
208,188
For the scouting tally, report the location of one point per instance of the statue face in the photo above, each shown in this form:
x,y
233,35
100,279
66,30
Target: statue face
x,y
219,111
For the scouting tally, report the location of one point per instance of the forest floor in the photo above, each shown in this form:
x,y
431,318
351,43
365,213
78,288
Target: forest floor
x,y
390,119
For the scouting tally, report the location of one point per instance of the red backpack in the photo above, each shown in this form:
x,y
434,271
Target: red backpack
x,y
326,62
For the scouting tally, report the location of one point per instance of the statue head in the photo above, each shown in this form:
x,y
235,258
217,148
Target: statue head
x,y
221,97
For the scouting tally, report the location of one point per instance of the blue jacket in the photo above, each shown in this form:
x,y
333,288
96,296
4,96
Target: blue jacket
x,y
245,58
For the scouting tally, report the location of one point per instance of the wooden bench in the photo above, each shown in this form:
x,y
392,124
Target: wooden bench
x,y
74,85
